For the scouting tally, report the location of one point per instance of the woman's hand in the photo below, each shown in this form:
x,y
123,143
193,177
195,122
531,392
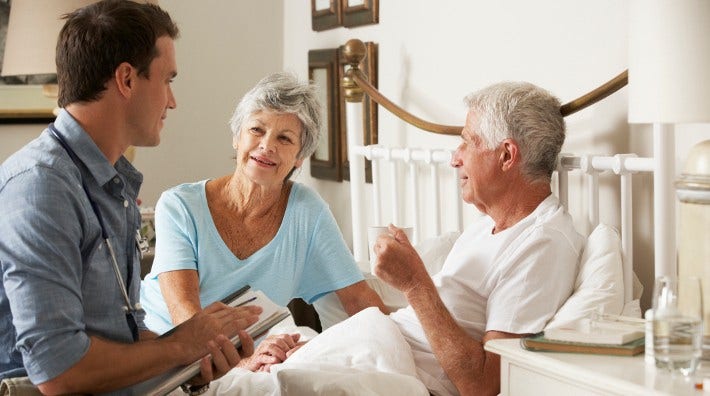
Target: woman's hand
x,y
273,350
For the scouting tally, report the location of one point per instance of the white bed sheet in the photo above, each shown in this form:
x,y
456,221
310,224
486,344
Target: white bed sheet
x,y
346,359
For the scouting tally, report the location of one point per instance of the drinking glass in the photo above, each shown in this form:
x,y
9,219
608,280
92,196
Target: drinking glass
x,y
677,324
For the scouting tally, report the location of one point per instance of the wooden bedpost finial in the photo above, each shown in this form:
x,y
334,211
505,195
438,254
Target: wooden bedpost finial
x,y
354,52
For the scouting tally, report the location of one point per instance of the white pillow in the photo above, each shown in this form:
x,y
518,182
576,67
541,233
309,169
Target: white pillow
x,y
600,280
433,252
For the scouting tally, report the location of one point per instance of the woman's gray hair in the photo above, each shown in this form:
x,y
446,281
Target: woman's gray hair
x,y
283,92
527,114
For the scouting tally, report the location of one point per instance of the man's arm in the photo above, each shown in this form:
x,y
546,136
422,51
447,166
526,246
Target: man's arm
x,y
110,365
471,369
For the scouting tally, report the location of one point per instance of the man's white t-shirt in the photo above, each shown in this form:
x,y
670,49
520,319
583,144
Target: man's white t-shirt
x,y
512,281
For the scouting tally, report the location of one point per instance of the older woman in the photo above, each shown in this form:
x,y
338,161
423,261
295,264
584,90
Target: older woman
x,y
254,226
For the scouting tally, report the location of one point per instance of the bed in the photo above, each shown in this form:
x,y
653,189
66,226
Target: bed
x,y
364,364
437,214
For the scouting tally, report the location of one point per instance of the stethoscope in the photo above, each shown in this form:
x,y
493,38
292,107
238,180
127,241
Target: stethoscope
x,y
128,308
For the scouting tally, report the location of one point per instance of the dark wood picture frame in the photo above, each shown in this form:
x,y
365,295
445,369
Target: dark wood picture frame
x,y
324,18
326,162
360,12
369,112
22,101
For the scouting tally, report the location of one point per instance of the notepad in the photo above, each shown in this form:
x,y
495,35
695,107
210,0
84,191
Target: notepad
x,y
271,315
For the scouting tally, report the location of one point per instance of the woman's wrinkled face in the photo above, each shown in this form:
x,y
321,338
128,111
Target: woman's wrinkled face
x,y
268,147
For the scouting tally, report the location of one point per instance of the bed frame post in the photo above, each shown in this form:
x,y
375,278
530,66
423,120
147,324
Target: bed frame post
x,y
627,224
587,167
664,200
354,53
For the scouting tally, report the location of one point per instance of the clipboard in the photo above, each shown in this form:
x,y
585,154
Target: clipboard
x,y
271,315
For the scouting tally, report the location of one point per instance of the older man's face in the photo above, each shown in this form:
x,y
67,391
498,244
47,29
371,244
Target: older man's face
x,y
478,167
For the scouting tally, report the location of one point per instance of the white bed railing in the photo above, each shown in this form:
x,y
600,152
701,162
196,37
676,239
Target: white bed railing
x,y
623,165
427,163
414,159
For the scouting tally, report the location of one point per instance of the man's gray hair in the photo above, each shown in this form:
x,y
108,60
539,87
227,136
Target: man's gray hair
x,y
527,114
283,92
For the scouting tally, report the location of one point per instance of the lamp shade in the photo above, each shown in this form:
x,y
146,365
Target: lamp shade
x,y
32,33
669,61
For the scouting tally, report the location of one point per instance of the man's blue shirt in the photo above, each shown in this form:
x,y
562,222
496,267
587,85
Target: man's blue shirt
x,y
58,282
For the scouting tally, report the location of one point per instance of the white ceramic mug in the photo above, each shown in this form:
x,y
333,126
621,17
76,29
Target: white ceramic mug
x,y
373,232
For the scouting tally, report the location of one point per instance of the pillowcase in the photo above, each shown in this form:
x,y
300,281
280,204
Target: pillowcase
x,y
600,280
433,252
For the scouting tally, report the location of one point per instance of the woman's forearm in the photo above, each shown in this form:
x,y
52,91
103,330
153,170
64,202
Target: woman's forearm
x,y
181,292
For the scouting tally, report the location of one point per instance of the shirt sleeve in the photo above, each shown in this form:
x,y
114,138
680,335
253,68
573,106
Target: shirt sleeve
x,y
538,279
176,235
40,251
330,266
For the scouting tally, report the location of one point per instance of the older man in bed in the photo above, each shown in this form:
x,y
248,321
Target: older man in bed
x,y
509,271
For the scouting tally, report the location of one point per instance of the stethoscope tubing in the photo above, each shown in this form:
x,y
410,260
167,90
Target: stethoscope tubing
x,y
128,308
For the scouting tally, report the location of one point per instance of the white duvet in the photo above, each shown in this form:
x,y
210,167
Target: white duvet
x,y
364,355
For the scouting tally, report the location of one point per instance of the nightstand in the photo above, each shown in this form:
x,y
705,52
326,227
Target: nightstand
x,y
548,373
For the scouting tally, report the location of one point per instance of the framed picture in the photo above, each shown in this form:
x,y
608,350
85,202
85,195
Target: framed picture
x,y
326,162
25,104
22,99
369,112
325,14
360,12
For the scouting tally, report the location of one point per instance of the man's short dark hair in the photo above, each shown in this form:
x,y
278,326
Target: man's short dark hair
x,y
97,38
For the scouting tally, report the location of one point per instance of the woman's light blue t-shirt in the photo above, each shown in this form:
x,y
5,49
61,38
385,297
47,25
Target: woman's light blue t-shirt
x,y
307,258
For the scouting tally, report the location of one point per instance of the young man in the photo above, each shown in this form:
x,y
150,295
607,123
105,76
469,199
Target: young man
x,y
69,317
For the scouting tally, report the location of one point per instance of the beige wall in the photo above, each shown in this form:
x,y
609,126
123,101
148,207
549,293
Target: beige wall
x,y
432,53
225,47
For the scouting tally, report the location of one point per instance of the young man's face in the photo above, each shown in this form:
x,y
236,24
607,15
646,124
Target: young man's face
x,y
153,96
